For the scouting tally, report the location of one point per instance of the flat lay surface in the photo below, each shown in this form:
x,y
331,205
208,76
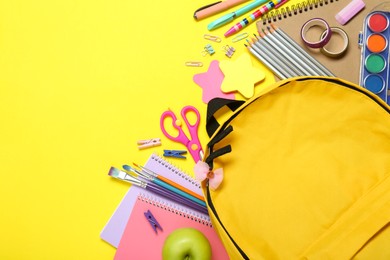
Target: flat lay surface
x,y
84,86
81,82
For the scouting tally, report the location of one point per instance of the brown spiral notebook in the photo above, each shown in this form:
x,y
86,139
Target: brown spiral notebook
x,y
291,19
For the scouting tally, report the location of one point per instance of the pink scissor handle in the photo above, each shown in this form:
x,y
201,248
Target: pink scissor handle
x,y
193,145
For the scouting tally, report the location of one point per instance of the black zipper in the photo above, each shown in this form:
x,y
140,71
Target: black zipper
x,y
337,81
211,206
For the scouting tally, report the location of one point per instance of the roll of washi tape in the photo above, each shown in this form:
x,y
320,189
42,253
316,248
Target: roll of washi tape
x,y
335,53
314,23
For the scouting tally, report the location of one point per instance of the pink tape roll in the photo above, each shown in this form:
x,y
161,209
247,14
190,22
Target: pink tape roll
x,y
316,22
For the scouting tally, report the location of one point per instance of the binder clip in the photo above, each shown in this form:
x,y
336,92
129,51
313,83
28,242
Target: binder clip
x,y
142,144
229,51
208,49
174,153
153,222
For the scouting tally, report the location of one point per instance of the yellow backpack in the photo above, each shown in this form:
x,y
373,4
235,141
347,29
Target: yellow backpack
x,y
306,165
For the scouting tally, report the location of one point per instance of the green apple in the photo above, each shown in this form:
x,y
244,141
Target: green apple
x,y
186,244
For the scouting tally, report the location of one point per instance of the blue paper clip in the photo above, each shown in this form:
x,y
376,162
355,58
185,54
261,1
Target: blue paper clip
x,y
174,153
153,222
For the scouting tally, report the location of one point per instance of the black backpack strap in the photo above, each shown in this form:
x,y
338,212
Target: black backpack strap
x,y
214,154
215,105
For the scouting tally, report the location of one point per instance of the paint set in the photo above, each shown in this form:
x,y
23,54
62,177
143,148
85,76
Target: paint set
x,y
374,68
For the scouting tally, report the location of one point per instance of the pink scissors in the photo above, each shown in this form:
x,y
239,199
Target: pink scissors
x,y
193,145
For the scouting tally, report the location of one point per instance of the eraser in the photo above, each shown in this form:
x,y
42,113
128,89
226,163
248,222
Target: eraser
x,y
346,14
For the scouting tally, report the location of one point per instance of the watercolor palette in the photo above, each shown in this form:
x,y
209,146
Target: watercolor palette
x,y
374,68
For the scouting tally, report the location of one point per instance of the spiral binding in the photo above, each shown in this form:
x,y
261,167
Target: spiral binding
x,y
176,209
295,9
175,170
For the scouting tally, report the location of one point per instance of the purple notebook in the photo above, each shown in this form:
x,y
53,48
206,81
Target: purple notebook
x,y
113,231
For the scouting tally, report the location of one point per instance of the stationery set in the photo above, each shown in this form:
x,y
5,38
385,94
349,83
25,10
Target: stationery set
x,y
133,235
143,219
291,20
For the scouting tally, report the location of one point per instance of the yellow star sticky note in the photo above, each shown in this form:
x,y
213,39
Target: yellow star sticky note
x,y
240,75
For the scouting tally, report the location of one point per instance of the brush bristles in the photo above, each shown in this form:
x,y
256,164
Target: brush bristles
x,y
116,173
126,167
121,175
113,172
146,170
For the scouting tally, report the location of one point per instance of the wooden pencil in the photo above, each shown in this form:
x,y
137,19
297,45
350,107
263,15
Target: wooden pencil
x,y
260,56
266,53
304,68
288,41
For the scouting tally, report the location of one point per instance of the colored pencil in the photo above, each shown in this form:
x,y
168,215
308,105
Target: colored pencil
x,y
297,49
266,62
276,63
284,56
289,67
303,68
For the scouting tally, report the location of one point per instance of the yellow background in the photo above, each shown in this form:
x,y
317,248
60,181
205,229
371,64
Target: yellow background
x,y
80,83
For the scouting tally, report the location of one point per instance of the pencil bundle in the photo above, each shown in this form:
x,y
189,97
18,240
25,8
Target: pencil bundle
x,y
283,56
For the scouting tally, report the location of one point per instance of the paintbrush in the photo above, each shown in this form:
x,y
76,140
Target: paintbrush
x,y
121,175
168,181
151,176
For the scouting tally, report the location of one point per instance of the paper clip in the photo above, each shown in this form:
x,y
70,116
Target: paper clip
x,y
175,153
153,222
228,50
142,144
212,38
240,37
194,64
208,49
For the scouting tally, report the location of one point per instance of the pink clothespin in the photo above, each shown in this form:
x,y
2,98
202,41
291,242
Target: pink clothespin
x,y
142,144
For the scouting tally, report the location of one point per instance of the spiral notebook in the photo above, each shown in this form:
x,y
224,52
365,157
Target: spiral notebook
x,y
140,241
113,231
291,19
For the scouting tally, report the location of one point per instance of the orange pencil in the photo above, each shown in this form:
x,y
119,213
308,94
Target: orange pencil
x,y
170,182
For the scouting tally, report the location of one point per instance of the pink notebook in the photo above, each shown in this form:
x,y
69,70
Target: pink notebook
x,y
140,241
